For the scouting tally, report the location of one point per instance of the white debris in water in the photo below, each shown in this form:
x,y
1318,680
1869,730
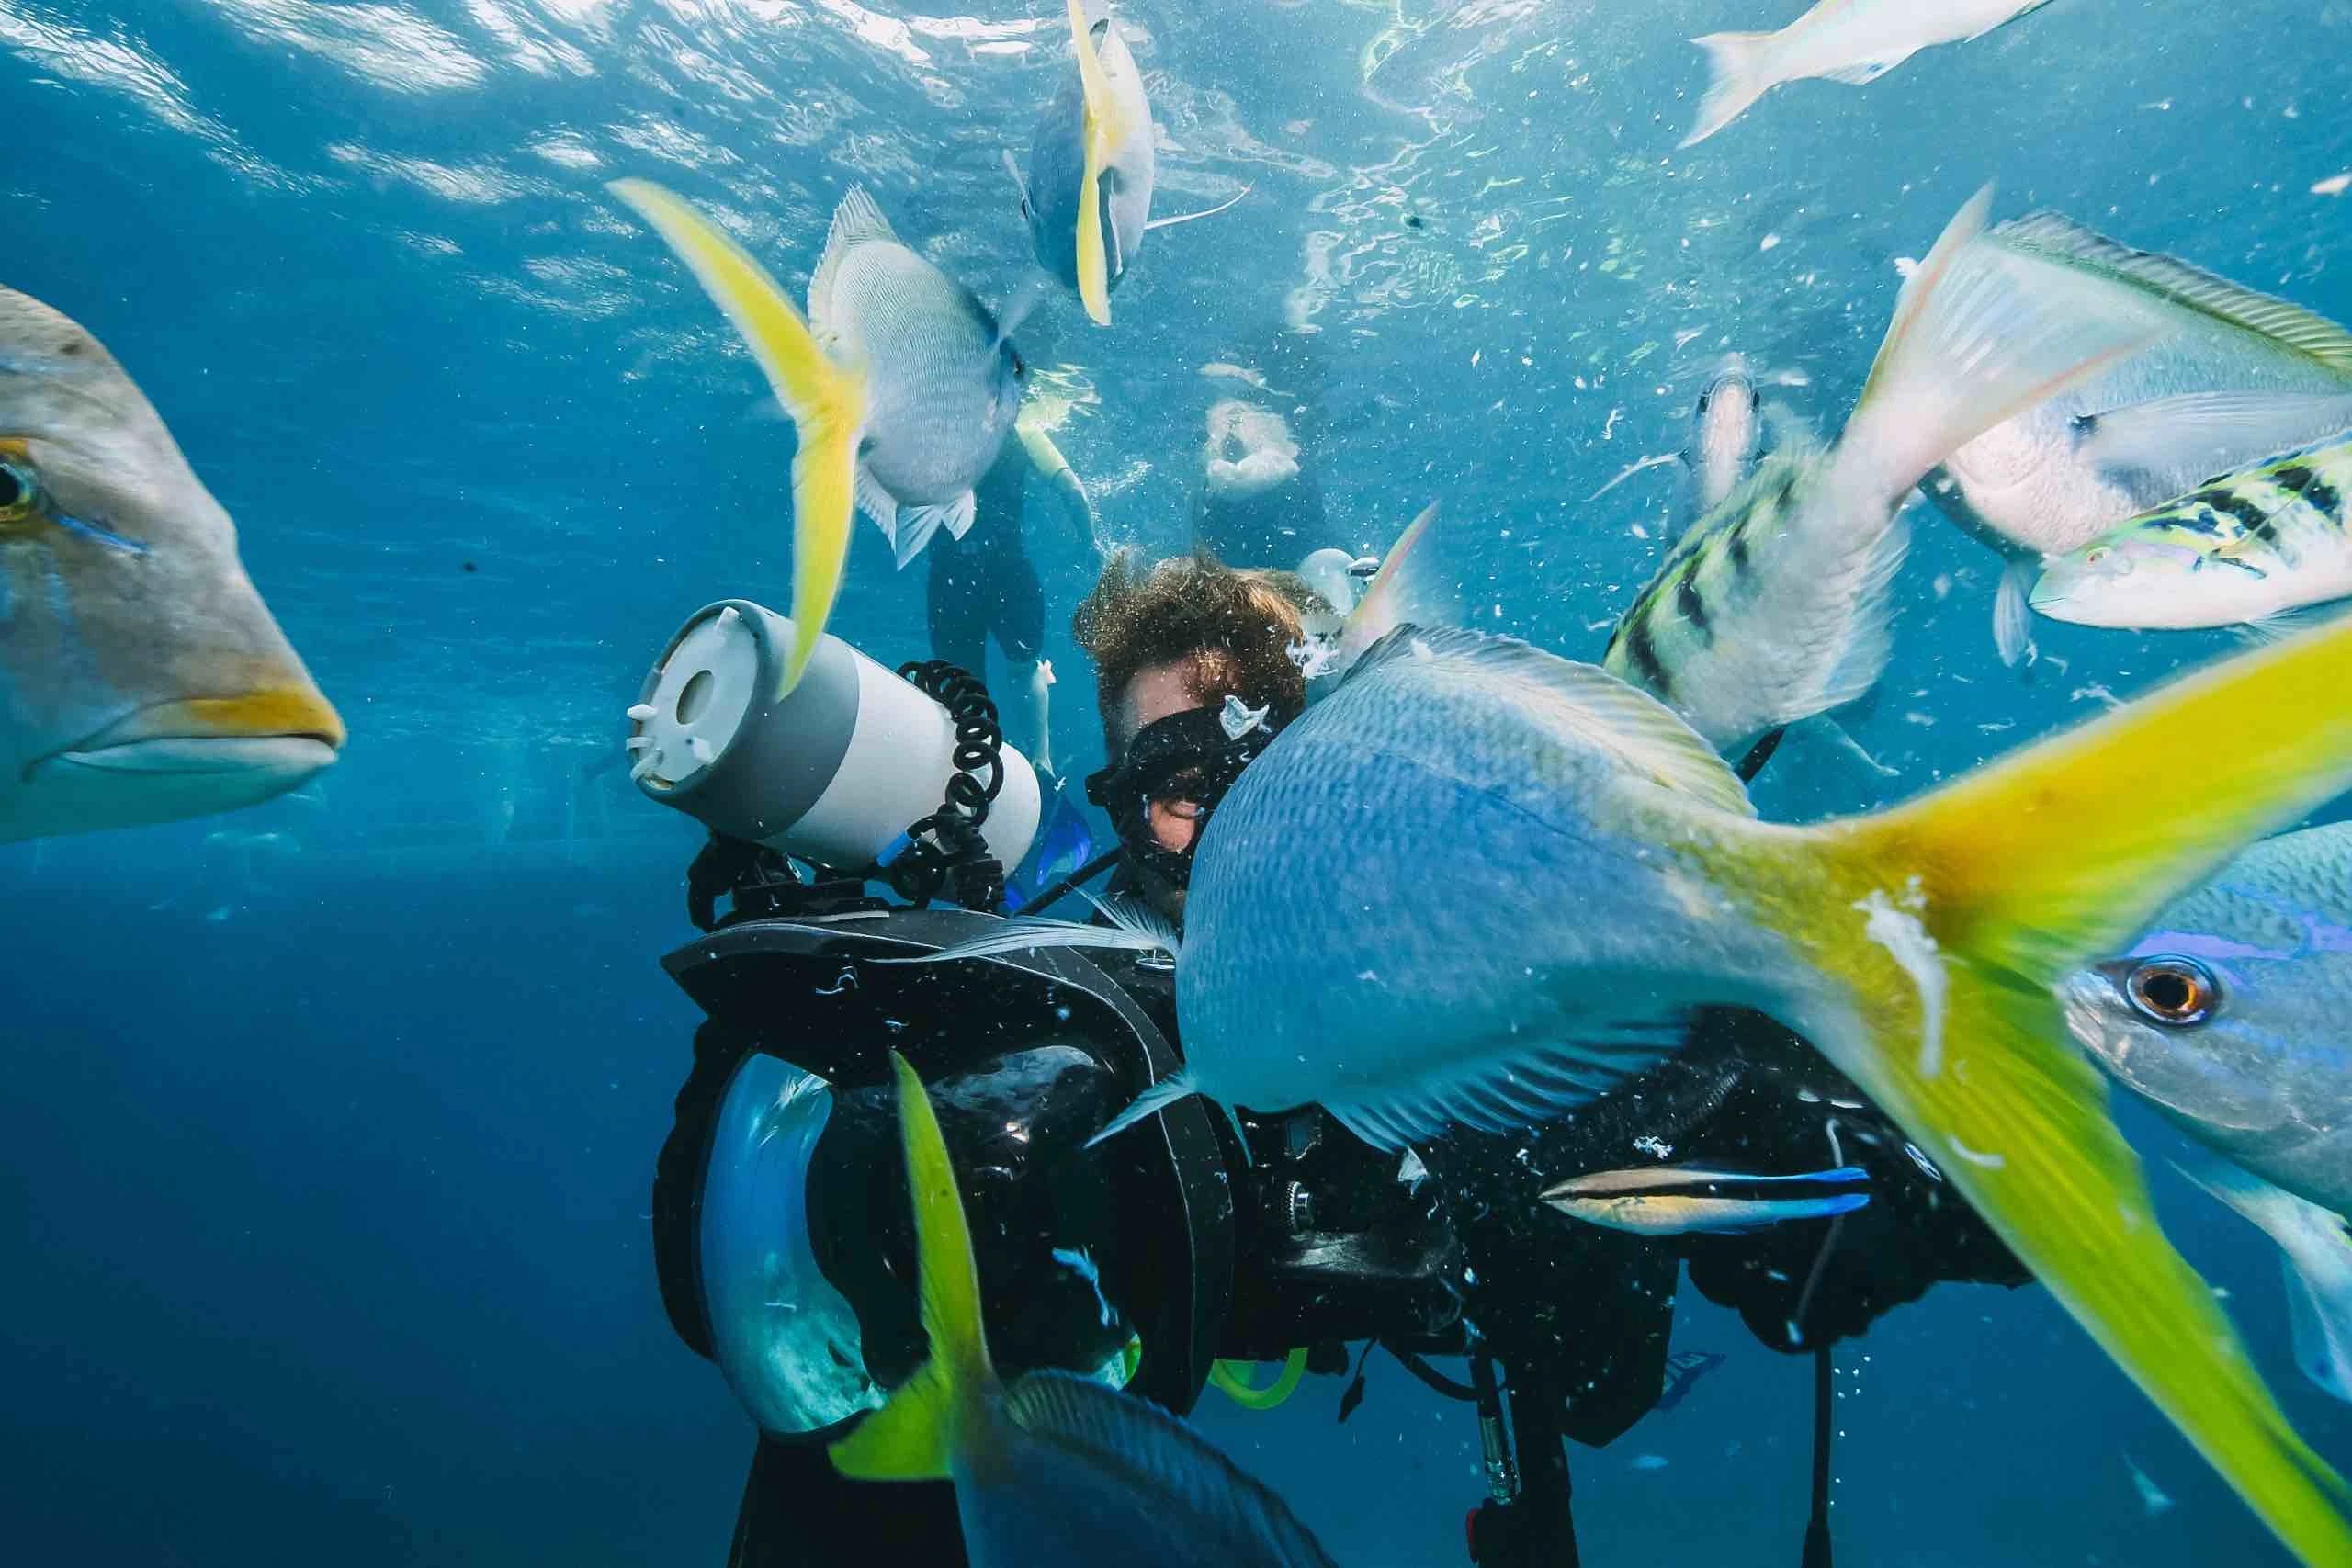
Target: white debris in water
x,y
1312,655
1650,1461
1974,1156
1240,719
2097,693
1899,931
1653,1145
1769,243
1927,1166
1084,1267
2336,184
1412,1172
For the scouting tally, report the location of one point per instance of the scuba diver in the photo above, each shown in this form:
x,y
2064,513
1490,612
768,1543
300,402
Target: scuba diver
x,y
1189,1241
1260,495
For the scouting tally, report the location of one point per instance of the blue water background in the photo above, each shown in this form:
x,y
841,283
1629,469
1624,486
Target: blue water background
x,y
330,1125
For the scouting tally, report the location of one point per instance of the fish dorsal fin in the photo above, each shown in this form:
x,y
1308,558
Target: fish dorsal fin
x,y
1651,739
855,222
2305,332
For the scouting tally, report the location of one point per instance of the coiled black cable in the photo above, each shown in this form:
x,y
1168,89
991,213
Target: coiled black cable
x,y
946,845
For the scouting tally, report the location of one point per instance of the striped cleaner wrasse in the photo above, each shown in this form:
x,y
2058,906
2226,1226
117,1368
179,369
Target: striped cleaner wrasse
x,y
1681,1200
2247,548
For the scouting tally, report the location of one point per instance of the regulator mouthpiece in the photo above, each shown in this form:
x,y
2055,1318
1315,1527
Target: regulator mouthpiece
x,y
834,772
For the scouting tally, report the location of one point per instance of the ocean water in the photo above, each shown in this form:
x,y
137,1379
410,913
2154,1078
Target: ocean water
x,y
327,1127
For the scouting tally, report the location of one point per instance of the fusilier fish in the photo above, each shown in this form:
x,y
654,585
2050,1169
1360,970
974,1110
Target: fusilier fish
x,y
2251,547
1683,1200
1774,607
1093,161
1853,41
1053,1469
142,678
1586,870
901,384
2235,377
2227,1013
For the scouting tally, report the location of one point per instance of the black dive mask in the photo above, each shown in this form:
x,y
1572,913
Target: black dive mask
x,y
1174,771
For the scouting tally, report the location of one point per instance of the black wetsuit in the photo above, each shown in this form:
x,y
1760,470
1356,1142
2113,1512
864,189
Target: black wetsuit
x,y
984,583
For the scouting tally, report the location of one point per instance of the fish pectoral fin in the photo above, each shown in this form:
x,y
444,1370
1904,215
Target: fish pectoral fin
x,y
918,523
1525,1087
2314,1257
2223,431
1012,167
878,503
2013,611
1863,72
2319,1326
1196,216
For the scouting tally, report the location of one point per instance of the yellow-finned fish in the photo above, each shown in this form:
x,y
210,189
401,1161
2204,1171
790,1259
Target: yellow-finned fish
x,y
826,401
1093,161
142,677
1051,1470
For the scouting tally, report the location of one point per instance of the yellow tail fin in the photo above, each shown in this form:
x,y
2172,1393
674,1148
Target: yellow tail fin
x,y
913,1436
1101,134
1953,917
827,403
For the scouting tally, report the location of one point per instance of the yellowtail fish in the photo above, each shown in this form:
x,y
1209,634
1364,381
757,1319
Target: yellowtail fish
x,y
1775,606
142,678
1093,164
1684,1199
1587,871
1853,41
1052,1470
2237,377
2249,548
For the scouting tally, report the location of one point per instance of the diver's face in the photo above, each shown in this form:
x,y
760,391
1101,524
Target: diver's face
x,y
1158,692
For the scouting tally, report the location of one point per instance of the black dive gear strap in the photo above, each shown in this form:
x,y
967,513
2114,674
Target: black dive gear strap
x,y
1183,764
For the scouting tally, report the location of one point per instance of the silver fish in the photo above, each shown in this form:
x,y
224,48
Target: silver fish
x,y
1093,161
142,677
2228,1014
1685,1200
2235,377
1051,1470
1727,437
943,379
1775,606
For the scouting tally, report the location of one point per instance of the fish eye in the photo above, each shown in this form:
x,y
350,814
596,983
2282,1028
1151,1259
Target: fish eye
x,y
20,491
2176,992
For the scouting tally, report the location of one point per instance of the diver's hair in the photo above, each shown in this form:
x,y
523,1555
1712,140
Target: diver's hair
x,y
1231,630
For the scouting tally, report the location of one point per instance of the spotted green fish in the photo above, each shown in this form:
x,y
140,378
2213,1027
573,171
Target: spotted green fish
x,y
142,677
2248,547
1774,606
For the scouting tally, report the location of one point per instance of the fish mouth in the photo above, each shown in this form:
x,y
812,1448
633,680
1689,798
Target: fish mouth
x,y
286,732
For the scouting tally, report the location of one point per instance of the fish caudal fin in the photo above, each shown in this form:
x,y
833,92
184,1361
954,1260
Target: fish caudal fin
x,y
913,1437
1980,332
1742,73
825,401
1101,132
1952,920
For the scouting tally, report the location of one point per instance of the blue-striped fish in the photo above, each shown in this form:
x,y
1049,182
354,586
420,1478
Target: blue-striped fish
x,y
2248,547
142,677
1052,1470
1774,607
1681,1200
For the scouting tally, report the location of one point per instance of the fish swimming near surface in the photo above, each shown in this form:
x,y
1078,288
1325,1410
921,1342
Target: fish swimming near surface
x,y
142,678
1586,870
1684,1199
2226,1012
2254,547
1093,161
1853,41
902,385
1775,606
2235,377
1052,1470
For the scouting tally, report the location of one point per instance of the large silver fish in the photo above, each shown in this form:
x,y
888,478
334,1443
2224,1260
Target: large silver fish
x,y
943,379
1093,161
1052,1470
142,678
2229,1013
2235,377
1774,607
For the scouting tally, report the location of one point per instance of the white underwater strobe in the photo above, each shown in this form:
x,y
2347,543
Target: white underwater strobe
x,y
833,772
